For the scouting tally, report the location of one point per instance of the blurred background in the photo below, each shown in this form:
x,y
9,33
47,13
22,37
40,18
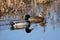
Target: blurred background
x,y
13,10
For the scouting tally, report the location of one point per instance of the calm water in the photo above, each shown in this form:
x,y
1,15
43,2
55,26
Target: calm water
x,y
52,32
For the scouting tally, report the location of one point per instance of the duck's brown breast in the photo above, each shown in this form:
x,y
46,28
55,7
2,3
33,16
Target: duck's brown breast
x,y
36,19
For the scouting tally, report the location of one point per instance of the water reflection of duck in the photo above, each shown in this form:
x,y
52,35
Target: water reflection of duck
x,y
21,25
34,19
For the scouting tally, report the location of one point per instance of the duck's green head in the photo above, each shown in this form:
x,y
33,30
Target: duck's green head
x,y
28,30
12,23
27,17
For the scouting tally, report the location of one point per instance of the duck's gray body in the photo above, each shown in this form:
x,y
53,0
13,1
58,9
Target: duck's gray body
x,y
21,25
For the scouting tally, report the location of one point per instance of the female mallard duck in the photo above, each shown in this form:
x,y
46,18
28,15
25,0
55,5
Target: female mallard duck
x,y
34,19
21,25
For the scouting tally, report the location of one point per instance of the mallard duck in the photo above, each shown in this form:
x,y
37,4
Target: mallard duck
x,y
37,19
21,25
34,19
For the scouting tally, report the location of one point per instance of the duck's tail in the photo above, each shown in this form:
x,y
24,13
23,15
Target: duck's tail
x,y
11,28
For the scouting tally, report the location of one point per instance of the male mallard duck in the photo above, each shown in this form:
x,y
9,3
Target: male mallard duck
x,y
21,25
34,19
